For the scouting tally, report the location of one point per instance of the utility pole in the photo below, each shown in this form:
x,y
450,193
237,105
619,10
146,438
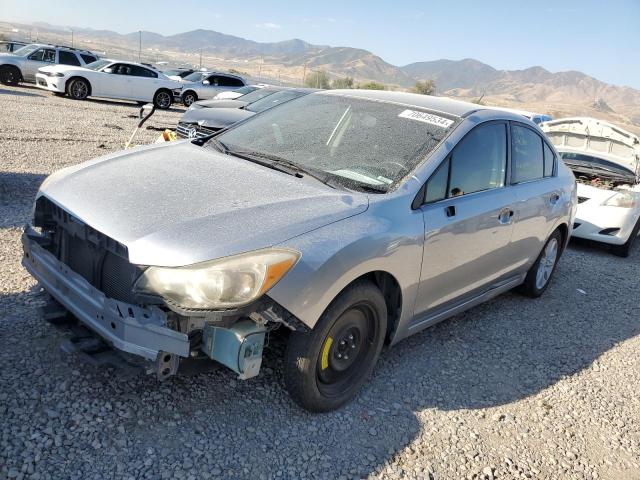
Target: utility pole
x,y
139,44
200,57
71,38
304,73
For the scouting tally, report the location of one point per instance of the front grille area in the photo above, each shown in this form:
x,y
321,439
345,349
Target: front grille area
x,y
41,81
99,259
189,130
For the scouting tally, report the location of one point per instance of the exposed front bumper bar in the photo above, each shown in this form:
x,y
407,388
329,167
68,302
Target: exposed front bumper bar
x,y
132,329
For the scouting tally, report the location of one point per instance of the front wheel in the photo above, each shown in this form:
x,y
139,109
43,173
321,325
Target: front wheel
x,y
539,275
326,367
79,89
10,75
188,98
162,99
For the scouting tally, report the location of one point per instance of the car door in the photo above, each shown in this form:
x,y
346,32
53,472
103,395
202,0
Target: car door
x,y
115,81
468,218
143,83
40,58
539,200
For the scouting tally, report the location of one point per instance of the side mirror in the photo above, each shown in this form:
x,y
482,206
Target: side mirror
x,y
108,70
206,82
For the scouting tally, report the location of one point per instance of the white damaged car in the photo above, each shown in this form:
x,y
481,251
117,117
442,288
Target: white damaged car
x,y
605,160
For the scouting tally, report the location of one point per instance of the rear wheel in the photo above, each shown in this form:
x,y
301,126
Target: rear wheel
x,y
188,98
162,99
625,249
10,75
326,367
78,89
539,275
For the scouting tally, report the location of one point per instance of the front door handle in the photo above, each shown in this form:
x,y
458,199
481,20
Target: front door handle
x,y
450,211
505,216
553,199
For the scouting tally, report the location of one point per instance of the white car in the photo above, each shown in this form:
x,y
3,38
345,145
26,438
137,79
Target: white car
x,y
605,160
233,94
110,79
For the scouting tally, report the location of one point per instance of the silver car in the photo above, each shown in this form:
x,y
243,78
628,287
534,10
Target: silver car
x,y
347,219
22,65
206,85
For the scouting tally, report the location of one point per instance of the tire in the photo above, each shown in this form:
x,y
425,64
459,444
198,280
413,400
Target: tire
x,y
79,89
625,249
10,75
539,275
319,374
163,99
188,98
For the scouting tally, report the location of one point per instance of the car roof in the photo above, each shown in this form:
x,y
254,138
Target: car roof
x,y
430,102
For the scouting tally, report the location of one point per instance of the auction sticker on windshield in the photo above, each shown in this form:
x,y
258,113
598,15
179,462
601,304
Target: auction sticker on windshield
x,y
427,118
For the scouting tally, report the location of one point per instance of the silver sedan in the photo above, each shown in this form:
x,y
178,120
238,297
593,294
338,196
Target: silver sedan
x,y
206,85
348,219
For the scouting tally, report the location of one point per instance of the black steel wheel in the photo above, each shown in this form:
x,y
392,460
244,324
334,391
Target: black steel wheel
x,y
326,367
10,75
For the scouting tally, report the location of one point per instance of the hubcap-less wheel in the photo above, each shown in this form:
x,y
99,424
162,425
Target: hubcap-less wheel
x,y
346,350
79,90
547,263
163,100
9,77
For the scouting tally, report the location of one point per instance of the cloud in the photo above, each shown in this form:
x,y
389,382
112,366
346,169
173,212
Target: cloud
x,y
269,26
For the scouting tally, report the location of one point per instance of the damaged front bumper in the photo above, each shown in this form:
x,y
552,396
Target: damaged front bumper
x,y
130,328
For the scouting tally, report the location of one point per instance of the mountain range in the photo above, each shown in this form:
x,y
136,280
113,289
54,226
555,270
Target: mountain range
x,y
560,93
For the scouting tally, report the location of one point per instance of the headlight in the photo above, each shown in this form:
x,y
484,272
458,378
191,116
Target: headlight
x,y
224,283
621,199
55,74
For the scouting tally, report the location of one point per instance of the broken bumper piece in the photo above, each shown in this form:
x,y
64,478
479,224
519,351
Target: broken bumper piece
x,y
132,329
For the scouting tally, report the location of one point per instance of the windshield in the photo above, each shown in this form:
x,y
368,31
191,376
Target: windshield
x,y
246,89
358,142
98,64
257,95
272,100
590,164
195,76
27,49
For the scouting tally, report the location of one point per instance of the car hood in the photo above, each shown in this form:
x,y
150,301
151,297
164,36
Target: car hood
x,y
215,117
179,204
223,103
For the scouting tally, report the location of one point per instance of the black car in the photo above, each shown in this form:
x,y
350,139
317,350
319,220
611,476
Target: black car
x,y
212,116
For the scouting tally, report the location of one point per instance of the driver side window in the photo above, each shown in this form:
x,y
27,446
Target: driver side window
x,y
44,55
477,163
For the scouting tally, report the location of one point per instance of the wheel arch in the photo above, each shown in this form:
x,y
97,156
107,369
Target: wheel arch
x,y
77,77
392,292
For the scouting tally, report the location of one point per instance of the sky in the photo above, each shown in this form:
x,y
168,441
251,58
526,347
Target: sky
x,y
600,38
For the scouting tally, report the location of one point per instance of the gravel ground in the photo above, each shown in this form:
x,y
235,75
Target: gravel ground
x,y
515,388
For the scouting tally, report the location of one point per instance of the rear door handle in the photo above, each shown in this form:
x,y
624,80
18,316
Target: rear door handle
x,y
505,216
553,199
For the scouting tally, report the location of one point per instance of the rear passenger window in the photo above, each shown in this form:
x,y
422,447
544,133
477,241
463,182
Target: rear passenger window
x,y
142,72
549,160
68,58
526,155
44,55
227,82
88,58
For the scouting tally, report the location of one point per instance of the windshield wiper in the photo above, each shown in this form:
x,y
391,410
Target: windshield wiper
x,y
289,167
